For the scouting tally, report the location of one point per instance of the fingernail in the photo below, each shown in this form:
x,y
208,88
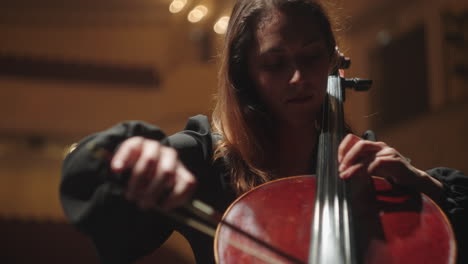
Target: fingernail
x,y
341,167
344,175
117,164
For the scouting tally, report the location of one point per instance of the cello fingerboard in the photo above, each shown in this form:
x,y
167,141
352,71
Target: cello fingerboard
x,y
332,232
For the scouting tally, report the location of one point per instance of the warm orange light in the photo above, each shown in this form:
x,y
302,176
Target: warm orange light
x,y
177,6
221,25
197,14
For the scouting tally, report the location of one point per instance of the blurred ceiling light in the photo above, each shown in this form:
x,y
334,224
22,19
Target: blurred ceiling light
x,y
197,13
177,6
221,25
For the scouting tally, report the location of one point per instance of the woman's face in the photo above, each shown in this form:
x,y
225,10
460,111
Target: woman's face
x,y
289,64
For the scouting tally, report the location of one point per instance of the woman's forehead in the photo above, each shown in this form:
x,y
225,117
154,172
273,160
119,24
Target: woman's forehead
x,y
279,28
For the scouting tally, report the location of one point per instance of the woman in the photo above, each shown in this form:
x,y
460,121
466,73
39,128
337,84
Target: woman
x,y
276,60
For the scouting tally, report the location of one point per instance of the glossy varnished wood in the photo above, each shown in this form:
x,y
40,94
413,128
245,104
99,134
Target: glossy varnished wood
x,y
392,225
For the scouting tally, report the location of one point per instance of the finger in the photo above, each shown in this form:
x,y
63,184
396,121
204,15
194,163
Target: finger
x,y
352,171
144,169
389,151
341,72
182,191
393,168
361,151
164,177
126,154
386,155
378,166
346,144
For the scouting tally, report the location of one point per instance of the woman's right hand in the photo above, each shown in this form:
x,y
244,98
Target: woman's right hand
x,y
158,177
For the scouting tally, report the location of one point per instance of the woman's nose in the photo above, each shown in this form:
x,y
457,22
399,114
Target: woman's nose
x,y
296,78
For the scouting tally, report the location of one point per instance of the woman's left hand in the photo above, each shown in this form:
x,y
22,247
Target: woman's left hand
x,y
358,157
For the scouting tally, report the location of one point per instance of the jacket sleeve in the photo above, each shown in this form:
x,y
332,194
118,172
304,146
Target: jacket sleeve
x,y
92,197
455,205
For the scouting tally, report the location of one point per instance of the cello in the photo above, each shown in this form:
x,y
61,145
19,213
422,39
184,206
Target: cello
x,y
323,219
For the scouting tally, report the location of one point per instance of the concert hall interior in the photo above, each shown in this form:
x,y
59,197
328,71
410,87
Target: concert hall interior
x,y
71,68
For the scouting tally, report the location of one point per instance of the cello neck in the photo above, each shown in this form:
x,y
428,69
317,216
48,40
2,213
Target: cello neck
x,y
332,233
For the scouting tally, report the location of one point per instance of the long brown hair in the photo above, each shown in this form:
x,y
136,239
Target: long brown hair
x,y
239,115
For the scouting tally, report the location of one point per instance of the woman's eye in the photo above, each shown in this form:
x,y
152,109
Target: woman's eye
x,y
310,59
275,64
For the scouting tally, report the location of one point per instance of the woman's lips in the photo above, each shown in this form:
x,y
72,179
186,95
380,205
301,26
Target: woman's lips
x,y
299,99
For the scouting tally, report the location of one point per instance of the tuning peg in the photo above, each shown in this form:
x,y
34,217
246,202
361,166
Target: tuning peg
x,y
357,84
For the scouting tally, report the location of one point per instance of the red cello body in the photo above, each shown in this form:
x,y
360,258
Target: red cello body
x,y
392,227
